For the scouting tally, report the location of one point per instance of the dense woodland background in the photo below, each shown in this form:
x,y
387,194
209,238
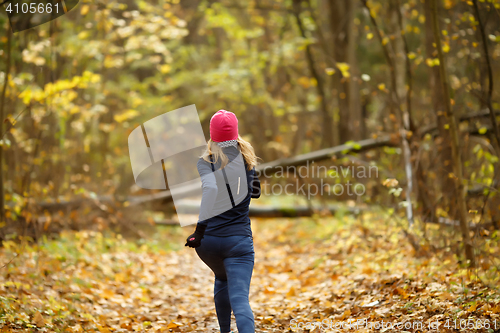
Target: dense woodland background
x,y
408,86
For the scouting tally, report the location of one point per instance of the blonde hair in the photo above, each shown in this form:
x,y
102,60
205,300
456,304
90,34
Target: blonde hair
x,y
216,152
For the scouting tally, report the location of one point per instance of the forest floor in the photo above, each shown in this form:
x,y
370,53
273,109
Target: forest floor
x,y
307,271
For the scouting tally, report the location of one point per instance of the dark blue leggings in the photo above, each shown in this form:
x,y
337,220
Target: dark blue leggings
x,y
231,259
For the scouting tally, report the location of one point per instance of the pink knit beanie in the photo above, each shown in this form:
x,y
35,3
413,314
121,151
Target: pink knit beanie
x,y
223,126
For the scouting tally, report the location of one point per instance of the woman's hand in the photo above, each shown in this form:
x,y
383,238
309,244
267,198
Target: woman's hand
x,y
194,240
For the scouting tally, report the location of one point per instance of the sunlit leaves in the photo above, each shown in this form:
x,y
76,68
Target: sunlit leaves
x,y
432,62
129,114
344,69
483,130
164,69
34,52
63,87
446,47
494,38
448,4
330,71
304,81
84,9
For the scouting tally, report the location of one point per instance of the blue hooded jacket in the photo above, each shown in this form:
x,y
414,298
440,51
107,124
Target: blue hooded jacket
x,y
234,219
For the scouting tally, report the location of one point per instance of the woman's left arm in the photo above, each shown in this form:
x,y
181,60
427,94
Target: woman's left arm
x,y
208,198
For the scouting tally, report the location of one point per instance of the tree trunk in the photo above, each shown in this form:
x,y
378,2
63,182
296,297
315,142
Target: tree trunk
x,y
2,127
455,145
443,145
351,122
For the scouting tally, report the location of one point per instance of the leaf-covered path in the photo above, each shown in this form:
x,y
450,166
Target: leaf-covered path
x,y
306,271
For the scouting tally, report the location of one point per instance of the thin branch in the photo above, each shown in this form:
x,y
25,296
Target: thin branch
x,y
387,54
409,75
20,113
490,76
11,260
327,118
321,37
14,122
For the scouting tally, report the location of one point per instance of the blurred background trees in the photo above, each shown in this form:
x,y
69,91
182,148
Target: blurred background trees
x,y
300,75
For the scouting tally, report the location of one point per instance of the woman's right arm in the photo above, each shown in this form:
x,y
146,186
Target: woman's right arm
x,y
255,185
